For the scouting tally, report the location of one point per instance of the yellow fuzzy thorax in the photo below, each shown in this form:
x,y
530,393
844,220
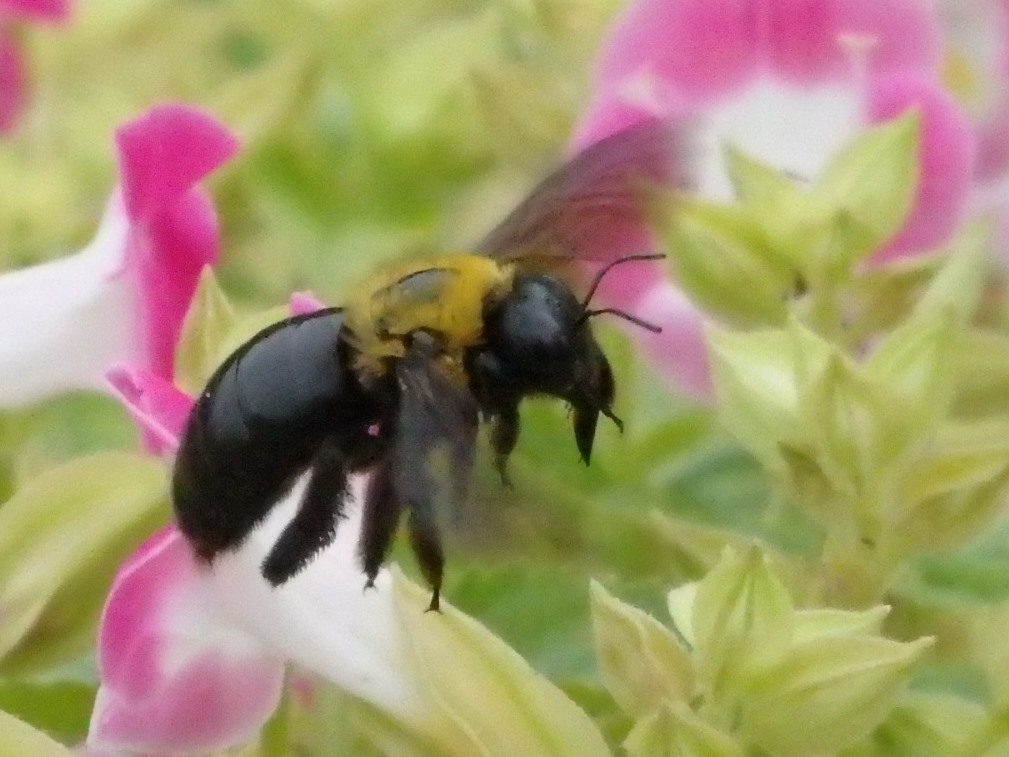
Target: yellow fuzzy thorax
x,y
445,295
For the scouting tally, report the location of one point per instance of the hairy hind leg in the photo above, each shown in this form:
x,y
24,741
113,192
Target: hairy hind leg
x,y
314,525
380,517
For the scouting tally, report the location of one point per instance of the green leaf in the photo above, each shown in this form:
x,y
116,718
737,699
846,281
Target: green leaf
x,y
19,738
640,660
977,573
868,189
490,701
91,512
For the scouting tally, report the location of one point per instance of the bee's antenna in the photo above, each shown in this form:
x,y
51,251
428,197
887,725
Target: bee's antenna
x,y
620,314
586,313
606,269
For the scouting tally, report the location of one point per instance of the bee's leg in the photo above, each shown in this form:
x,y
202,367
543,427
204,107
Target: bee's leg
x,y
382,508
462,454
314,525
491,388
503,438
426,543
418,491
585,421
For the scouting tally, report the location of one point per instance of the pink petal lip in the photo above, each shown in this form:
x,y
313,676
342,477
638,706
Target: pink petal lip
x,y
36,10
157,406
705,49
12,83
173,232
166,684
164,152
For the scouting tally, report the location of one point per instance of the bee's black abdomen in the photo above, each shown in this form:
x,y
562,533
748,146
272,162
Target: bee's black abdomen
x,y
259,424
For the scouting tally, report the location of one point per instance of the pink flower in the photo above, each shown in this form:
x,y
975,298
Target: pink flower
x,y
123,297
788,82
192,660
13,73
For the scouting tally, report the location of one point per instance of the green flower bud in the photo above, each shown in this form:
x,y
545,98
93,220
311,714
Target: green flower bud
x,y
642,663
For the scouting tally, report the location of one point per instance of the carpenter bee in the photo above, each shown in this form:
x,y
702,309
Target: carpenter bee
x,y
414,364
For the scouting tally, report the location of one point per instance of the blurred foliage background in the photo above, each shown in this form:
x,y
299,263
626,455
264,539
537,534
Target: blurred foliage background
x,y
377,129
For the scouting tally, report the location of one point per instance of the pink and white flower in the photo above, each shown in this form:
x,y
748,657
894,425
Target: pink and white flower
x,y
192,658
123,297
788,82
13,69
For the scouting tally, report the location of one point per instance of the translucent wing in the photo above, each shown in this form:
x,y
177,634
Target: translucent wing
x,y
595,207
436,414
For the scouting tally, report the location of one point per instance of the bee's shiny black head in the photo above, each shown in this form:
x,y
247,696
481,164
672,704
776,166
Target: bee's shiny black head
x,y
537,341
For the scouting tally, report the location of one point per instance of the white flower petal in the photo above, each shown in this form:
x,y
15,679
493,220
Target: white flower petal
x,y
62,323
795,128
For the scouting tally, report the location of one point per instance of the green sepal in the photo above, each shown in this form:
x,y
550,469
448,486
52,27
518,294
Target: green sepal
x,y
953,488
820,622
866,191
62,708
212,330
914,363
784,212
846,420
486,698
757,376
642,663
838,688
260,101
957,285
675,731
208,322
883,295
20,739
926,724
713,249
742,618
91,513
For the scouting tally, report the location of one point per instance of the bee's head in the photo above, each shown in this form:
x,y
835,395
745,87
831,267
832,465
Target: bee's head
x,y
538,340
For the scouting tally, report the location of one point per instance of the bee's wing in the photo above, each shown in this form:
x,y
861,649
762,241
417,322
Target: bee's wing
x,y
595,207
436,413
